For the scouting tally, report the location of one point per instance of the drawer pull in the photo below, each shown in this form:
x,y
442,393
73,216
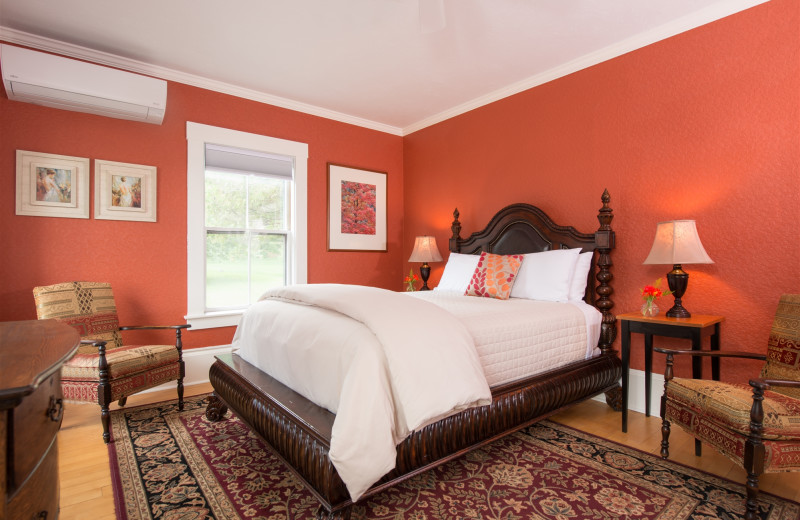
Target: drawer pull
x,y
55,411
42,514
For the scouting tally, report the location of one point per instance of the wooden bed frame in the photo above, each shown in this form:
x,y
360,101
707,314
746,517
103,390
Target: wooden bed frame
x,y
299,431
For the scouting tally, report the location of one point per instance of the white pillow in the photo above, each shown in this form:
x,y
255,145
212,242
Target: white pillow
x,y
458,272
578,288
546,275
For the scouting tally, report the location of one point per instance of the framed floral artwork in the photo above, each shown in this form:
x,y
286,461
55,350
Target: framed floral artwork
x,y
356,209
124,191
51,185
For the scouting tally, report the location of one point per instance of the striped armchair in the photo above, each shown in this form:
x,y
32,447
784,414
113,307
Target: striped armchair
x,y
757,425
104,370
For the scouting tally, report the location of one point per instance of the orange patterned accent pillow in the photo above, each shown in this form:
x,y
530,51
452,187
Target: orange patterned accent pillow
x,y
494,276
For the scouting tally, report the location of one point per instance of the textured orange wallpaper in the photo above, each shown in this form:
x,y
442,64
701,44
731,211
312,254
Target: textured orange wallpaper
x,y
146,262
704,126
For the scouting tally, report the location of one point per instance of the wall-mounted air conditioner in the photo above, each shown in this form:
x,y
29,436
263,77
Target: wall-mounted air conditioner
x,y
54,81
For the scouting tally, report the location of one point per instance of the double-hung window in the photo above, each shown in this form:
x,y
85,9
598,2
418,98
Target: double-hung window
x,y
246,213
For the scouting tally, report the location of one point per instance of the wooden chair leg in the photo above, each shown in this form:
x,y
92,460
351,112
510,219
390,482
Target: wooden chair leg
x,y
754,451
665,426
665,430
104,391
751,506
105,418
182,369
180,394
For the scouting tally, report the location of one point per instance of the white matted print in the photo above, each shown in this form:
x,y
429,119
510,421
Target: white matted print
x,y
51,185
356,209
124,191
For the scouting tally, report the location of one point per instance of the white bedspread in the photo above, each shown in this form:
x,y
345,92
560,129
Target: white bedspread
x,y
399,364
518,338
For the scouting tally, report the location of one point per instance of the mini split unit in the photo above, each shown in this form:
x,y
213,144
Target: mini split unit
x,y
54,81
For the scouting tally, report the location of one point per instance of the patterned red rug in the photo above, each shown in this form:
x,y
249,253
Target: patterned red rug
x,y
176,465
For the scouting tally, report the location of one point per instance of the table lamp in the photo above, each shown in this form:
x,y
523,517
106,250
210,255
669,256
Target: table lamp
x,y
677,243
425,251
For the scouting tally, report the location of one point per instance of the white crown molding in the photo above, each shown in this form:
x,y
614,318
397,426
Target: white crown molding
x,y
112,60
711,13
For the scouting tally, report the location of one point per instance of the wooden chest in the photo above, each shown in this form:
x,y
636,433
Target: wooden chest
x,y
31,355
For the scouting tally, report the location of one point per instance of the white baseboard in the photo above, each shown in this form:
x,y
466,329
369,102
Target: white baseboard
x,y
636,393
197,361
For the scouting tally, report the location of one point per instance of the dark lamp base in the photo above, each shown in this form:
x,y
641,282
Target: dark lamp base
x,y
424,273
677,311
678,280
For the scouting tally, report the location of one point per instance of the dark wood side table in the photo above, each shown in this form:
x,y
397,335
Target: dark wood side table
x,y
689,328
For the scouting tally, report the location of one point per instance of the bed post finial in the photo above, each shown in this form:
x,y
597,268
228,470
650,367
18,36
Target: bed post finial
x,y
605,214
455,227
604,238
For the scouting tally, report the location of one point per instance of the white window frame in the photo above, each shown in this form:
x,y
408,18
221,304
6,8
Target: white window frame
x,y
197,135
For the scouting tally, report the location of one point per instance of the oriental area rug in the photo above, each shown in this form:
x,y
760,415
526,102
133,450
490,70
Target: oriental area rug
x,y
170,465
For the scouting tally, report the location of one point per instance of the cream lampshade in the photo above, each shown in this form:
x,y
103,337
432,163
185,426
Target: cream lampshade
x,y
677,243
425,250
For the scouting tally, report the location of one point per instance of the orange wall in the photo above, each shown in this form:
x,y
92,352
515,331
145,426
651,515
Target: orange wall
x,y
146,262
704,126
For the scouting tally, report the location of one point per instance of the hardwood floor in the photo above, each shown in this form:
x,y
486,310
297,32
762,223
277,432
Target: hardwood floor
x,y
85,476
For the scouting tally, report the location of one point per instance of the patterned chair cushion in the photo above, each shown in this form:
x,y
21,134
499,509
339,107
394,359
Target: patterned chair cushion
x,y
86,391
783,351
122,362
728,406
699,417
87,306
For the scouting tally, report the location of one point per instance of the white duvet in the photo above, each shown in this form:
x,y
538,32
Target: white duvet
x,y
398,365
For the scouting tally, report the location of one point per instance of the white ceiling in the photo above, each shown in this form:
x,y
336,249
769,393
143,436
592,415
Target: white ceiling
x,y
366,62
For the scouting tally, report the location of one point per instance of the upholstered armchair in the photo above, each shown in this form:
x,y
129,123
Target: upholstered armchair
x,y
104,370
757,425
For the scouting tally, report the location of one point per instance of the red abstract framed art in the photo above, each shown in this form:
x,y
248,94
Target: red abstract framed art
x,y
356,209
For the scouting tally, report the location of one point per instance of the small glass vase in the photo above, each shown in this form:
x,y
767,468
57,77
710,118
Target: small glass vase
x,y
650,309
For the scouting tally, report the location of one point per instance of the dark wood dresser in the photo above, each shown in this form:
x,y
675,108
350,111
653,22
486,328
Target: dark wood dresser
x,y
31,355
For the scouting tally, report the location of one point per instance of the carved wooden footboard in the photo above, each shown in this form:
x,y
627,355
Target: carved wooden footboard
x,y
299,431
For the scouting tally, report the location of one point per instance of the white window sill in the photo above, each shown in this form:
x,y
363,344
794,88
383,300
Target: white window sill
x,y
212,320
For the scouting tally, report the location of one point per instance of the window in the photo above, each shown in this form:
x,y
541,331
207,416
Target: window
x,y
246,212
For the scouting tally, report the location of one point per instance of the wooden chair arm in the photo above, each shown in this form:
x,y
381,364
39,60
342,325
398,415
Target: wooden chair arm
x,y
155,327
764,384
713,353
668,370
177,328
92,342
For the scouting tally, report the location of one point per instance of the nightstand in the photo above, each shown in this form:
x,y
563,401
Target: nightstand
x,y
689,328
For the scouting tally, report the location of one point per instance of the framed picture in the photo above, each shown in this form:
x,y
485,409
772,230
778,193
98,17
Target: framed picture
x,y
51,185
356,209
124,191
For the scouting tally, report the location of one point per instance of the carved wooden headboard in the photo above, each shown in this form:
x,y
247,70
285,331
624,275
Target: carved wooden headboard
x,y
523,228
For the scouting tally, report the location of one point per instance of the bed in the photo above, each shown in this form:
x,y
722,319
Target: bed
x,y
300,431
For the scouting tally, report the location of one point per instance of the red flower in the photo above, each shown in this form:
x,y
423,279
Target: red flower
x,y
651,292
410,279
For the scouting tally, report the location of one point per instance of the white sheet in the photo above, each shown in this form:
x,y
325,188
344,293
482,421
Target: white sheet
x,y
396,366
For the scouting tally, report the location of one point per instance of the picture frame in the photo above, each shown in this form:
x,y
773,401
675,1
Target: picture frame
x,y
50,185
357,208
124,191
